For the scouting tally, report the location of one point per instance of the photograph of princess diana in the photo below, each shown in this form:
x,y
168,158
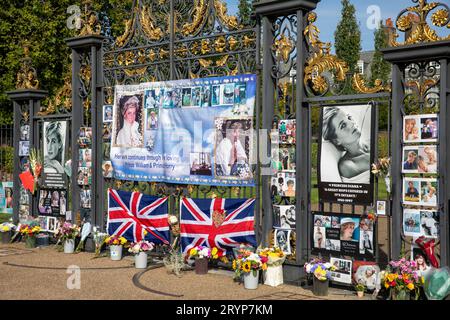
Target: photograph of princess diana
x,y
128,117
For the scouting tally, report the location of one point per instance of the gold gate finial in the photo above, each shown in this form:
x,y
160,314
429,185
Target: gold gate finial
x,y
27,75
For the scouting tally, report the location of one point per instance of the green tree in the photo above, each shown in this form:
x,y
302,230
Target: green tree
x,y
245,11
348,36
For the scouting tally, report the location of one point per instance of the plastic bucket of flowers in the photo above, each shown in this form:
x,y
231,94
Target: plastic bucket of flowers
x,y
201,255
6,232
273,276
140,249
402,279
67,234
29,233
321,276
248,265
115,244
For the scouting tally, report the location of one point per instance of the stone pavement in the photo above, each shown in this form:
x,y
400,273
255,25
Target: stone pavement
x,y
42,273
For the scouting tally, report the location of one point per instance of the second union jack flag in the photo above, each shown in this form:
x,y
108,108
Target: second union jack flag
x,y
221,223
136,216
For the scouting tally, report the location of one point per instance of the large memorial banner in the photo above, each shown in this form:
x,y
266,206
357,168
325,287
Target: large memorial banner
x,y
186,131
346,152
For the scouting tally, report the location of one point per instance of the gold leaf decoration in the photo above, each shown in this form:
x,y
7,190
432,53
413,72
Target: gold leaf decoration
x,y
222,61
233,43
230,22
205,46
248,41
205,63
152,32
359,84
417,16
63,96
199,17
220,44
122,40
135,71
284,47
89,21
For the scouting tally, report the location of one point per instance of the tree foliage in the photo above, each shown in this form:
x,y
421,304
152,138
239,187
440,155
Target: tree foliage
x,y
348,36
380,69
245,11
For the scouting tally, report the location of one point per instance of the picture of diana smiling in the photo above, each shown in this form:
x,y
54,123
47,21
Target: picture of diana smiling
x,y
54,146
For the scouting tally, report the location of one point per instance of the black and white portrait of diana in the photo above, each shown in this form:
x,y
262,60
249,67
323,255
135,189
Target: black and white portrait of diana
x,y
345,154
54,146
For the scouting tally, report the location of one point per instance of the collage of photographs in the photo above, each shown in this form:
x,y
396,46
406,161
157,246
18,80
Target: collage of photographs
x,y
24,142
420,191
344,234
48,224
420,159
343,270
417,223
420,128
52,202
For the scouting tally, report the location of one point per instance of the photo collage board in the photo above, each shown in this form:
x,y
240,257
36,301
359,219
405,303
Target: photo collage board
x,y
107,167
420,167
283,181
84,174
343,234
24,150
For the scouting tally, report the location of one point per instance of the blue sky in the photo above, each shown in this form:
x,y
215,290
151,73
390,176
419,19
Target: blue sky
x,y
329,13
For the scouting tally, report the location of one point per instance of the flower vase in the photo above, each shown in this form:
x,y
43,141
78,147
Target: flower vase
x,y
400,295
30,242
116,252
320,287
201,266
69,246
140,260
273,276
360,294
6,236
251,280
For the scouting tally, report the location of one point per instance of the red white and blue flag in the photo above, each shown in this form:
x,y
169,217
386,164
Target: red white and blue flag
x,y
221,223
136,216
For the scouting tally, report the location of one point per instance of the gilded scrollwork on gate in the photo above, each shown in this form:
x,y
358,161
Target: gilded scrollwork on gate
x,y
61,102
414,21
27,75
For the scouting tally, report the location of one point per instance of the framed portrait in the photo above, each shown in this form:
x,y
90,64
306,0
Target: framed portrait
x,y
54,133
282,240
344,176
381,208
233,148
343,270
52,224
128,121
107,113
43,223
420,128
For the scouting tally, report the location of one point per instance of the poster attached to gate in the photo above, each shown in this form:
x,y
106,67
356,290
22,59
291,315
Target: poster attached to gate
x,y
187,131
346,152
54,133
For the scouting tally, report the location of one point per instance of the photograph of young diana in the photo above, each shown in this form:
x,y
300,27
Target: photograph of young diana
x,y
154,98
287,158
52,202
24,148
420,191
85,136
343,270
411,222
420,159
107,169
343,234
107,113
84,176
285,215
85,198
420,128
129,122
232,148
429,223
346,154
282,240
283,184
287,131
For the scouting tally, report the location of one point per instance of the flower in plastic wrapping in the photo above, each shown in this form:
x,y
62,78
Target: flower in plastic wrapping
x,y
7,226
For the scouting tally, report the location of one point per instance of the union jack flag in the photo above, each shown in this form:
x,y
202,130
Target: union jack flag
x,y
136,216
221,223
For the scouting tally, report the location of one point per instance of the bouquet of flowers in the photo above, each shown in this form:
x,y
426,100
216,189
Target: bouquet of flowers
x,y
382,167
401,276
29,231
249,262
115,240
320,270
275,256
36,165
67,231
99,239
7,226
200,252
141,246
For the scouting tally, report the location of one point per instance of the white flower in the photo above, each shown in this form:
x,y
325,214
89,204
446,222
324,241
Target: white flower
x,y
173,219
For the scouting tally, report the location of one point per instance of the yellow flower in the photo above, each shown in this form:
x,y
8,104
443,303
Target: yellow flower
x,y
145,232
422,279
246,267
193,252
123,240
214,252
386,285
264,266
410,286
234,264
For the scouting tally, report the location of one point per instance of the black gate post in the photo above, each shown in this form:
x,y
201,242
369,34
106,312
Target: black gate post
x,y
87,93
26,102
269,11
401,57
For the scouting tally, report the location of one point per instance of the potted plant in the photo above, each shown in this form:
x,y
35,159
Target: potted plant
x,y
360,288
67,234
249,265
273,276
402,279
29,233
321,276
6,231
140,249
115,244
201,255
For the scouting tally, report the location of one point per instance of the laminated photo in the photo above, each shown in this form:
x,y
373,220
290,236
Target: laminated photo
x,y
343,270
128,125
286,216
107,113
282,240
287,131
411,222
287,158
429,223
368,275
